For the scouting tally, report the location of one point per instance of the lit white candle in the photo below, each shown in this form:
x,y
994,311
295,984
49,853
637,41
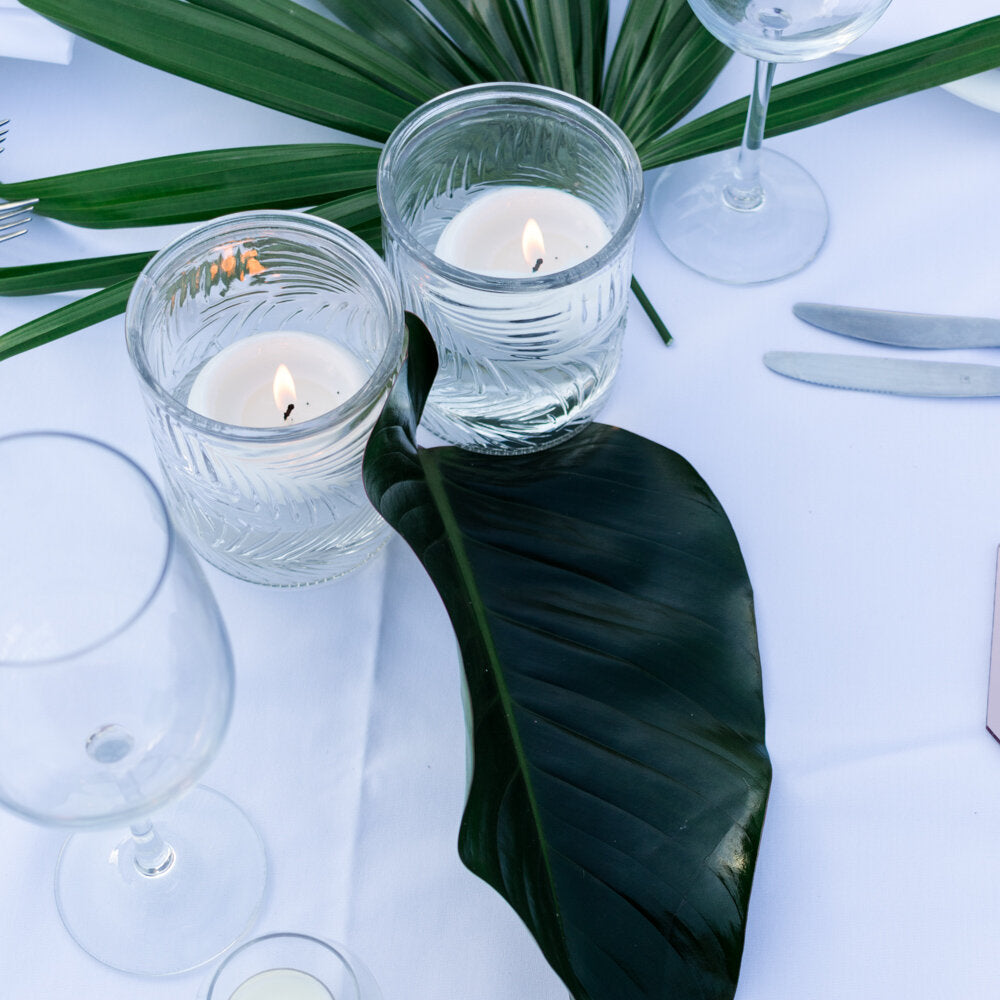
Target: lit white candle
x,y
520,231
276,379
281,984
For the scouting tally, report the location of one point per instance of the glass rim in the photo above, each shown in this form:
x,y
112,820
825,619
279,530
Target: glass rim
x,y
240,225
168,551
527,95
331,949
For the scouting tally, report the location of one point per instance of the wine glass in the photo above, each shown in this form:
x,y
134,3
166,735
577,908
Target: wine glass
x,y
116,687
757,215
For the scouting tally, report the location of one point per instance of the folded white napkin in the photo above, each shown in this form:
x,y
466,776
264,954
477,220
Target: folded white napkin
x,y
907,20
27,35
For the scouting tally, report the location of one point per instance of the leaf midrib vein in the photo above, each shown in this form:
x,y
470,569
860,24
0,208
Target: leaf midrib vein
x,y
453,533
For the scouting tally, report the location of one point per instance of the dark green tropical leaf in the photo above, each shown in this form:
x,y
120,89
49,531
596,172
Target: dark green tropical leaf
x,y
370,232
647,25
608,641
839,90
505,22
77,315
70,275
662,65
568,34
405,31
236,58
358,210
591,41
473,38
193,186
551,24
304,27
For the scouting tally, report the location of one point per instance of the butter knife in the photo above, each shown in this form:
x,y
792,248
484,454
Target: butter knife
x,y
892,375
901,329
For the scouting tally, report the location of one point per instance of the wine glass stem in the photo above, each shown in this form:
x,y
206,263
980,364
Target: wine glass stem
x,y
744,191
110,745
152,854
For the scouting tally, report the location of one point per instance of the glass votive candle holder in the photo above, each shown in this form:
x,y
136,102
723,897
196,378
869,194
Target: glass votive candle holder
x,y
265,344
292,967
508,217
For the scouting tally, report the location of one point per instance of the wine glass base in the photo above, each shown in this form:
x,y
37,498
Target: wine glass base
x,y
739,246
168,923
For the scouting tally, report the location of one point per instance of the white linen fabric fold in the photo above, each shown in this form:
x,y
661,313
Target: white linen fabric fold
x,y
27,35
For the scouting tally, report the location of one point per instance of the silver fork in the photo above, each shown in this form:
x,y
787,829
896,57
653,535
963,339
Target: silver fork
x,y
13,213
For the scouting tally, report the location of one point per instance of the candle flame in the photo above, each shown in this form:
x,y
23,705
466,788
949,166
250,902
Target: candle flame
x,y
532,244
284,390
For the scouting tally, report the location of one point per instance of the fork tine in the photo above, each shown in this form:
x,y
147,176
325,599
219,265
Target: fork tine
x,y
15,213
10,212
9,208
22,221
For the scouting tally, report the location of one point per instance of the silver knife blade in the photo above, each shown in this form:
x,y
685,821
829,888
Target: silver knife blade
x,y
901,329
892,375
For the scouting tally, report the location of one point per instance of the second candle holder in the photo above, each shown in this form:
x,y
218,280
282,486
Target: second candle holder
x,y
265,345
509,215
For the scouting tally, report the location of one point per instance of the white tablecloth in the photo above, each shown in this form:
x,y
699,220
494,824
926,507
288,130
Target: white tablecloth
x,y
869,524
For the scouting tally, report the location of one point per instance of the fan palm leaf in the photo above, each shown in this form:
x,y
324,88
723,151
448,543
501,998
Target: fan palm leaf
x,y
365,68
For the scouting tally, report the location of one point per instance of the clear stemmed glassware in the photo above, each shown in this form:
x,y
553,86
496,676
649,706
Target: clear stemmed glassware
x,y
116,687
756,215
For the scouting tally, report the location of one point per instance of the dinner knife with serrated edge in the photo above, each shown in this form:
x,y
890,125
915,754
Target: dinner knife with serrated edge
x,y
901,329
892,375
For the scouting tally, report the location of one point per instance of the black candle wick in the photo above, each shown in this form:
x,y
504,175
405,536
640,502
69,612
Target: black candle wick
x,y
291,406
538,264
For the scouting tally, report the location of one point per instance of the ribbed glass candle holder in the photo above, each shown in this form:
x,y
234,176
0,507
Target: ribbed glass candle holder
x,y
526,359
281,505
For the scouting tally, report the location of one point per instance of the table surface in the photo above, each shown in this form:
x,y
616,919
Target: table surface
x,y
869,525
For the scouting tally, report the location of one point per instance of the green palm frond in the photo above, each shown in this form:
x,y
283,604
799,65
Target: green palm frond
x,y
366,67
194,186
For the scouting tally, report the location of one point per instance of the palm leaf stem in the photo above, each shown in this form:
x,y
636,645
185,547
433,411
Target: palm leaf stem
x,y
650,311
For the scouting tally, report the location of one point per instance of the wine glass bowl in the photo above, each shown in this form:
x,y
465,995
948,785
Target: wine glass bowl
x,y
116,689
789,31
754,215
116,683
